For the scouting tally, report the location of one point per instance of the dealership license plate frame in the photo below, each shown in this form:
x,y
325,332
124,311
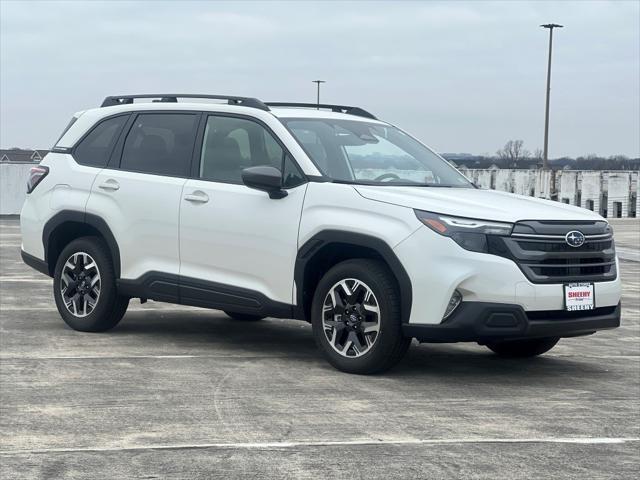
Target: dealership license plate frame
x,y
571,308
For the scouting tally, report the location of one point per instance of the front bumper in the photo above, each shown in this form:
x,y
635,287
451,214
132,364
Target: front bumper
x,y
437,266
488,322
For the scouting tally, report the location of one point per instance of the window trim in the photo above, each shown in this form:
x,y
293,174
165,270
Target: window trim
x,y
197,153
73,150
115,162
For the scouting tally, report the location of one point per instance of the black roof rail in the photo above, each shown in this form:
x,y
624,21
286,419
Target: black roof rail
x,y
334,108
173,98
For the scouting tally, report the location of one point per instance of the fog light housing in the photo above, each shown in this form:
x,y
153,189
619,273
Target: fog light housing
x,y
454,302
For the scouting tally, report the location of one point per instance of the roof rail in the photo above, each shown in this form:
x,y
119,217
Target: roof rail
x,y
173,98
334,108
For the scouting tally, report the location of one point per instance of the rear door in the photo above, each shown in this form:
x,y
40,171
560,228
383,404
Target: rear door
x,y
138,193
237,245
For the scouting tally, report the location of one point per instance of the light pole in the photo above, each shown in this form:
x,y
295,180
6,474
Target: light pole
x,y
545,158
318,82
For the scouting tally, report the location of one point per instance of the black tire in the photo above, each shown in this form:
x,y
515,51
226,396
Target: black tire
x,y
244,317
109,307
523,348
389,345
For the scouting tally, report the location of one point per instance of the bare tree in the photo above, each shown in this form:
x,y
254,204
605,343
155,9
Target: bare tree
x,y
512,152
538,153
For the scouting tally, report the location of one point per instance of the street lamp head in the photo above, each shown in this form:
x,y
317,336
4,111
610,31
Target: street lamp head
x,y
318,81
551,25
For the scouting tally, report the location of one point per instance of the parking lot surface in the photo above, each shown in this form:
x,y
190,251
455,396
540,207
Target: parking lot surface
x,y
179,392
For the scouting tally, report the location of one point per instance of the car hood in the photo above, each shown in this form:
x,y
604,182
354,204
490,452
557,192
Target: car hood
x,y
476,203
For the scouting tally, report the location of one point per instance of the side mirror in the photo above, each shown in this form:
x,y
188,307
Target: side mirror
x,y
265,178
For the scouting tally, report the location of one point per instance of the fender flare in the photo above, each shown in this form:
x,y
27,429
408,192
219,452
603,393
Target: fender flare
x,y
94,221
327,237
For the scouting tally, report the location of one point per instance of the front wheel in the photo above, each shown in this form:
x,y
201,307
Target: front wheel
x,y
523,348
356,317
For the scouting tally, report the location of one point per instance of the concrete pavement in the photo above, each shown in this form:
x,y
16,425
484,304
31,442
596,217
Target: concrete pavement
x,y
178,392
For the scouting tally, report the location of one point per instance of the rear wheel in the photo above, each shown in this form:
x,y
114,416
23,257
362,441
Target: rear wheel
x,y
243,317
356,317
84,287
523,348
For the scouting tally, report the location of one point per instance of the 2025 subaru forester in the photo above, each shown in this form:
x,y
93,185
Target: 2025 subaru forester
x,y
315,212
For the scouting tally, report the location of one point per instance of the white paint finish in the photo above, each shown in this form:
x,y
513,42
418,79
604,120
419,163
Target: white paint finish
x,y
335,206
143,217
66,186
476,203
241,237
441,268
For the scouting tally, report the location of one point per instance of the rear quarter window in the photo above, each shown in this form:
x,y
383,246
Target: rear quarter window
x,y
95,148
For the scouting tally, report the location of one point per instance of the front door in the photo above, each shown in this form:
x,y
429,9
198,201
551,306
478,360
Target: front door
x,y
237,242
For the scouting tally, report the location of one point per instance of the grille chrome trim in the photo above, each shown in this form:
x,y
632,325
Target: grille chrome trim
x,y
547,258
604,236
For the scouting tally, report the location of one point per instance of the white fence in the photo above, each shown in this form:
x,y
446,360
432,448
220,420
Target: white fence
x,y
612,194
13,186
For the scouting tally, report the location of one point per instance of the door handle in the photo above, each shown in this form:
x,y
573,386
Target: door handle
x,y
197,197
109,185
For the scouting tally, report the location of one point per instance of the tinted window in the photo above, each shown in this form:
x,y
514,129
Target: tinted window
x,y
232,144
291,174
160,143
95,148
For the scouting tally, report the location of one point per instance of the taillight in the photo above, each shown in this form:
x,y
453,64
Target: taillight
x,y
36,174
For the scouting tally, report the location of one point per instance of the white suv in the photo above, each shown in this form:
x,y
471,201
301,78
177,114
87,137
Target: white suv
x,y
316,212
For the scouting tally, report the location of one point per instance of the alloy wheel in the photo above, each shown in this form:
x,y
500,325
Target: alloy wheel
x,y
351,318
80,284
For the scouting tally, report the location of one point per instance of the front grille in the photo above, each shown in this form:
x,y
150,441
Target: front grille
x,y
543,255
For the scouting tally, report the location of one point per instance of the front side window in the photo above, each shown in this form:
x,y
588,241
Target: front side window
x,y
232,144
94,149
160,143
372,154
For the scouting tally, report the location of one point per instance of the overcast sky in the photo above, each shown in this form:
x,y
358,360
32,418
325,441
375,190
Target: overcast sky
x,y
462,76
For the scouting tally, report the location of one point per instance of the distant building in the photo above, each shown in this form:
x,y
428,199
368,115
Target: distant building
x,y
19,155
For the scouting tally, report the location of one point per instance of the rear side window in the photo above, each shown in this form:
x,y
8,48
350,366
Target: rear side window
x,y
94,149
160,143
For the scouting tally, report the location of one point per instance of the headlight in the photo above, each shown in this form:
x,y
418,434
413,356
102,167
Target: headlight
x,y
469,233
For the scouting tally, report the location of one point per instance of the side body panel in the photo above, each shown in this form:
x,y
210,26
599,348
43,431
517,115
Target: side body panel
x,y
241,237
142,213
66,187
335,206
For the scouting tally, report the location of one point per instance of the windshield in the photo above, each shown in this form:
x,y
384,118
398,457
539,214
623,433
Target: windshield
x,y
371,154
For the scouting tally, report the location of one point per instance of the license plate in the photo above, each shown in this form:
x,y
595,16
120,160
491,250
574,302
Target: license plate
x,y
579,296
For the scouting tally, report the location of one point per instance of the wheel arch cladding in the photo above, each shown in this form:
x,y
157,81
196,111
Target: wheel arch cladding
x,y
66,226
329,247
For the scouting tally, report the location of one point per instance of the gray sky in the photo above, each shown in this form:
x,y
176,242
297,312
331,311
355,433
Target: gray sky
x,y
462,76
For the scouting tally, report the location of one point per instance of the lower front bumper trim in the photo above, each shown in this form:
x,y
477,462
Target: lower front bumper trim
x,y
489,322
